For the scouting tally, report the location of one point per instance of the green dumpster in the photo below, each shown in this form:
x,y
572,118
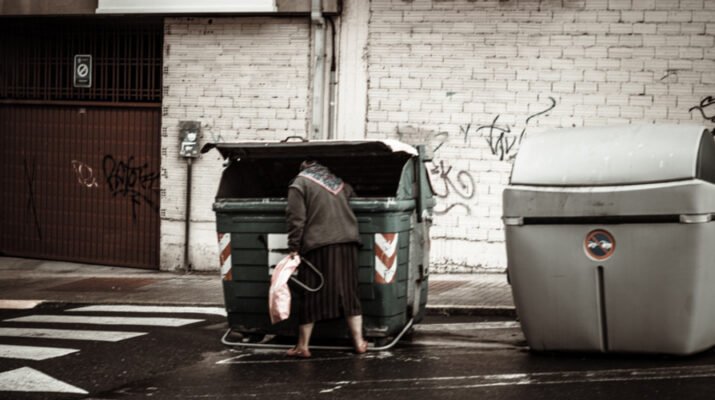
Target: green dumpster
x,y
394,210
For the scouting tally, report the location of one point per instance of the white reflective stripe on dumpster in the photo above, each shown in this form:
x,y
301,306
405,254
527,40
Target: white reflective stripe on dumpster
x,y
385,257
224,251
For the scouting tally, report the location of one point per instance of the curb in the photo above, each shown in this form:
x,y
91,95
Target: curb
x,y
480,311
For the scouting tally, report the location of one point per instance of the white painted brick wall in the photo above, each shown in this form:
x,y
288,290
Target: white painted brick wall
x,y
440,68
243,79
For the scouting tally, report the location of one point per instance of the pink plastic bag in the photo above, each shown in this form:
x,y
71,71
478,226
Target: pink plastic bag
x,y
279,293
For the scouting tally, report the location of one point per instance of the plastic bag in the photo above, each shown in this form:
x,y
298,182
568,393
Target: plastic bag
x,y
279,293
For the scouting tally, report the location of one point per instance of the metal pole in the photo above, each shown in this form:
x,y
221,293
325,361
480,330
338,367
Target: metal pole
x,y
187,224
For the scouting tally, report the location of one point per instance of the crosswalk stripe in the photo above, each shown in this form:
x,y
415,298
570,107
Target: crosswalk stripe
x,y
83,319
152,309
26,379
99,336
33,352
19,304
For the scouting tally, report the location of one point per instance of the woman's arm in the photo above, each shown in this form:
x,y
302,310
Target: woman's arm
x,y
295,215
349,191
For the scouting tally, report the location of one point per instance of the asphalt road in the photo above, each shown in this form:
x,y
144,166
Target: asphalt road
x,y
445,358
165,341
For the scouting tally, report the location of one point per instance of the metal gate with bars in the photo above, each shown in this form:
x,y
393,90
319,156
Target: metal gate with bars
x,y
80,176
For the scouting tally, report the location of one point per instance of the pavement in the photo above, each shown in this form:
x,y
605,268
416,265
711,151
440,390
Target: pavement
x,y
26,281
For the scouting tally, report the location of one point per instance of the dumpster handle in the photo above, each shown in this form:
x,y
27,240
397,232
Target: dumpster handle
x,y
388,346
287,139
303,285
310,265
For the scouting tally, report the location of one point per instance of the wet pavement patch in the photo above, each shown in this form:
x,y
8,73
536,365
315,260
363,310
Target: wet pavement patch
x,y
102,285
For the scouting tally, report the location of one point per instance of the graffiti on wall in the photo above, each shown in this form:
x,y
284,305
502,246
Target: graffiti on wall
x,y
444,185
85,174
446,180
500,138
128,179
706,108
457,187
30,177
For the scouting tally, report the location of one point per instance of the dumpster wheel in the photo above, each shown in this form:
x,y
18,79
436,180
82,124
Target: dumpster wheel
x,y
379,345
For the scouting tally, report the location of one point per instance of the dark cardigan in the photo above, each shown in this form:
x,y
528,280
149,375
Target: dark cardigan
x,y
316,217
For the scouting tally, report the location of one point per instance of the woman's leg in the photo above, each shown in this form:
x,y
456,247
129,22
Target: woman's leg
x,y
304,332
355,325
302,348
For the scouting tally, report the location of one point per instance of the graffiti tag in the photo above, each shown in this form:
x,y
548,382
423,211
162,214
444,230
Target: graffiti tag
x,y
463,188
130,180
500,139
706,108
30,175
85,174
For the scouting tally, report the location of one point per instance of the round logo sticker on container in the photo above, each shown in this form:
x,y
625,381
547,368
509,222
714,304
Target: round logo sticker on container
x,y
599,245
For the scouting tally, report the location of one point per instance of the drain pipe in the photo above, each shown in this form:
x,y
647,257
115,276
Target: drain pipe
x,y
317,129
333,84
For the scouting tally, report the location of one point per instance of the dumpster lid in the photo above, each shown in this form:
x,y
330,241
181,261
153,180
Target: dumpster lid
x,y
315,148
619,155
264,169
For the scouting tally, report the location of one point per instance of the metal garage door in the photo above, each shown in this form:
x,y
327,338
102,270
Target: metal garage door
x,y
80,176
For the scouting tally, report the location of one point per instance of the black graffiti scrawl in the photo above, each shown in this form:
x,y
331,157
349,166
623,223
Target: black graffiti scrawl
x,y
500,139
706,108
465,187
128,179
30,175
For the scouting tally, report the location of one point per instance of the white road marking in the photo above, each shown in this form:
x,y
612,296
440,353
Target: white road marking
x,y
82,319
19,304
467,326
99,336
33,352
152,309
245,358
26,379
464,344
331,390
283,360
535,378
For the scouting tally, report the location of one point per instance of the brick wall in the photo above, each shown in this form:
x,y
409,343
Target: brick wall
x,y
468,77
243,79
471,77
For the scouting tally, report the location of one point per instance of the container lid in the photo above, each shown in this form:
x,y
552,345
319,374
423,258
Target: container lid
x,y
316,148
263,169
620,155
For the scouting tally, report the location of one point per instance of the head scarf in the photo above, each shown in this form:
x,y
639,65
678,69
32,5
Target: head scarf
x,y
323,177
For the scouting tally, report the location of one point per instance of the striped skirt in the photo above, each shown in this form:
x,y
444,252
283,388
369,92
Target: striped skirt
x,y
339,295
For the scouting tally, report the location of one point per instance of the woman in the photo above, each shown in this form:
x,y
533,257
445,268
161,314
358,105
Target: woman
x,y
322,228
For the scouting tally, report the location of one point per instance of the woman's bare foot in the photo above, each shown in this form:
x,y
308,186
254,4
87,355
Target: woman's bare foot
x,y
296,352
361,347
